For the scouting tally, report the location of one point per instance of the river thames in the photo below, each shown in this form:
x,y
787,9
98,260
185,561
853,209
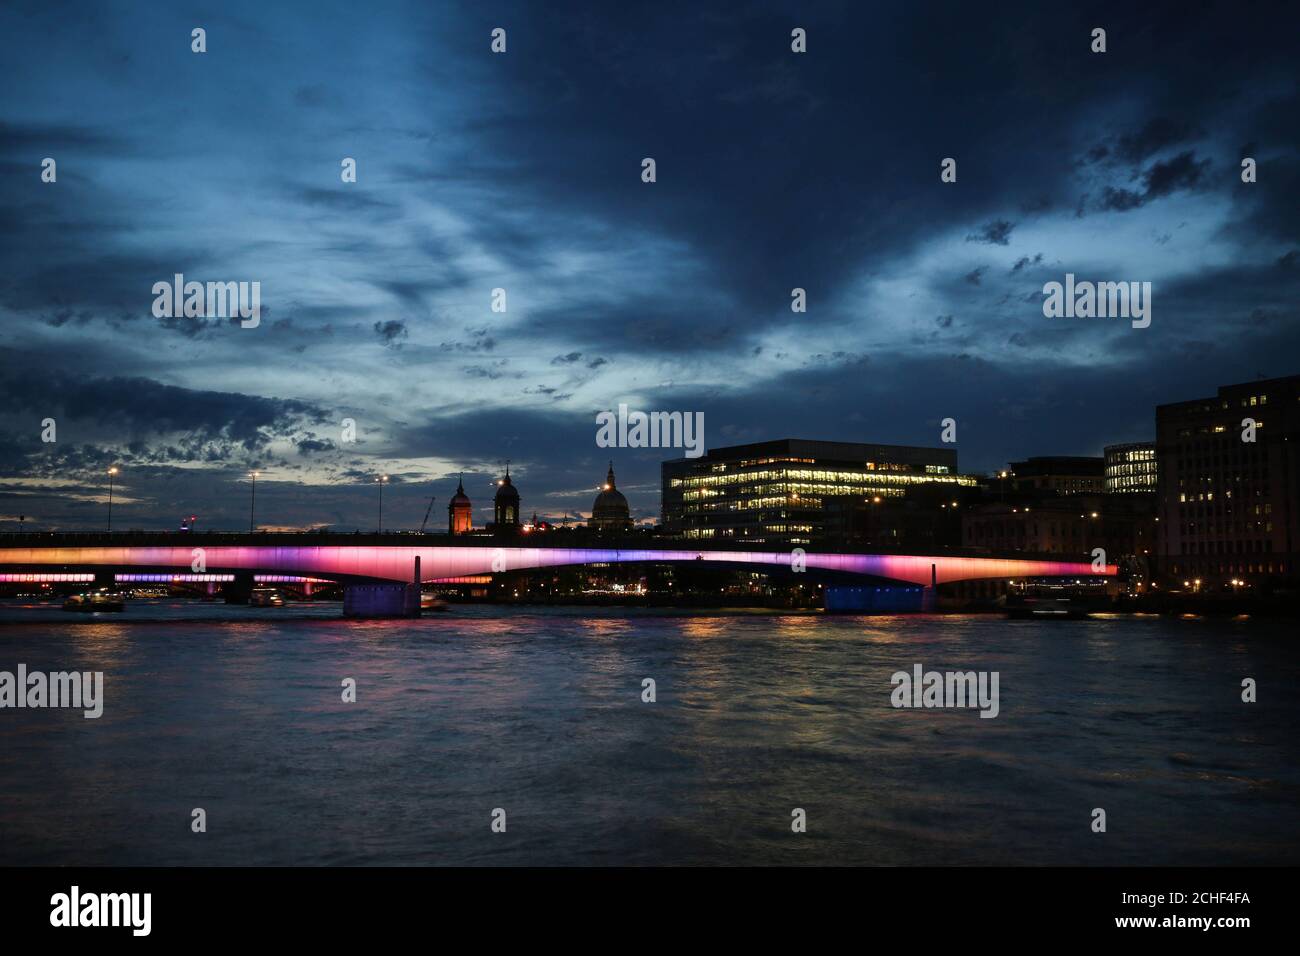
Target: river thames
x,y
539,712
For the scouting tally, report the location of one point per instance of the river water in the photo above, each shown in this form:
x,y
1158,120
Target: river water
x,y
539,712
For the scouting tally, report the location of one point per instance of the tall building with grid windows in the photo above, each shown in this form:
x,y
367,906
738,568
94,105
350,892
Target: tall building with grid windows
x,y
780,492
1229,509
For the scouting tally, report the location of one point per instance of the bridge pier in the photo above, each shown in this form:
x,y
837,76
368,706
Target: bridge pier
x,y
383,600
239,590
879,599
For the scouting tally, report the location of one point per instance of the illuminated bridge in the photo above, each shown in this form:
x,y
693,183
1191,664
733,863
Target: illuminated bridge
x,y
376,565
391,557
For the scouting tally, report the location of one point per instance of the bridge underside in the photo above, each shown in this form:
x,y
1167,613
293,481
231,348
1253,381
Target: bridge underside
x,y
381,563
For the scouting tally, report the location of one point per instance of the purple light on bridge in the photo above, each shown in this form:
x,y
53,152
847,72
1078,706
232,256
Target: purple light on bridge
x,y
395,563
139,578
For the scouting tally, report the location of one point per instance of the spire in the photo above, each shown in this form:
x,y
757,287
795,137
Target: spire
x,y
609,479
460,485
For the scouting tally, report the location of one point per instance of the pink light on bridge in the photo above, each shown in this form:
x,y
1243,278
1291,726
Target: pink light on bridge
x,y
395,563
45,577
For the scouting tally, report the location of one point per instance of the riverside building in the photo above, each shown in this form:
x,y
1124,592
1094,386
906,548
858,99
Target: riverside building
x,y
783,492
1229,508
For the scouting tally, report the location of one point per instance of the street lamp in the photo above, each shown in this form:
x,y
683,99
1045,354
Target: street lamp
x,y
111,472
381,481
252,500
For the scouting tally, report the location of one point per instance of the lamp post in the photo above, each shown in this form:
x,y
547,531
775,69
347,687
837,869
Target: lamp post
x,y
381,481
111,472
252,500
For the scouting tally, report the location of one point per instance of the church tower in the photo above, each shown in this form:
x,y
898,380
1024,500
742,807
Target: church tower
x,y
460,512
506,506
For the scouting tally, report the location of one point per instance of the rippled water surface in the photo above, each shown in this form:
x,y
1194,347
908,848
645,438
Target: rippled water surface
x,y
539,712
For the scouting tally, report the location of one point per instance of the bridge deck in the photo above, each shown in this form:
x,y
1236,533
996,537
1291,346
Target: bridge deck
x,y
391,557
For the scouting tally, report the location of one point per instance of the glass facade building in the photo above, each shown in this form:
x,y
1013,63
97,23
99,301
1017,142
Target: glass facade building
x,y
778,492
1131,468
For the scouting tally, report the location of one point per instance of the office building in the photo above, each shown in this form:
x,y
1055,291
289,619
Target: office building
x,y
1131,468
778,492
1228,472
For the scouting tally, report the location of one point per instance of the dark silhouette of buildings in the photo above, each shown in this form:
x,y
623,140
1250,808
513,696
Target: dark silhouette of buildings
x,y
1053,522
1060,474
926,517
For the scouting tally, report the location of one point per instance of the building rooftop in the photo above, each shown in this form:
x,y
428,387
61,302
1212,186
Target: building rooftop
x,y
831,451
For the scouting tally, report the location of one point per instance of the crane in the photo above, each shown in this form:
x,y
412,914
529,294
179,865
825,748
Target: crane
x,y
427,511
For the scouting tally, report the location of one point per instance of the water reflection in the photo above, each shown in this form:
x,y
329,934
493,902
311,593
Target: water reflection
x,y
541,711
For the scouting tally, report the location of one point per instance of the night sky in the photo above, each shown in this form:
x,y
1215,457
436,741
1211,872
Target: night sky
x,y
523,171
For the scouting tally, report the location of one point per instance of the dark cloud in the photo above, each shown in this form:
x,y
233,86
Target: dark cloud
x,y
133,407
480,340
307,446
1156,135
26,139
997,232
1182,172
392,332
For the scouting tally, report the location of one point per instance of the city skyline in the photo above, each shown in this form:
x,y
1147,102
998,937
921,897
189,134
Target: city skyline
x,y
518,171
520,437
